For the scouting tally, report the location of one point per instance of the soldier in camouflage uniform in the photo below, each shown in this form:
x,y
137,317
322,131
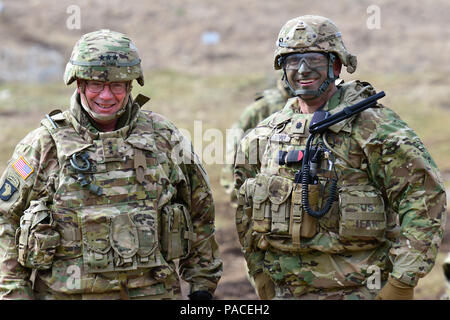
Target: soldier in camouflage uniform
x,y
101,199
381,190
265,104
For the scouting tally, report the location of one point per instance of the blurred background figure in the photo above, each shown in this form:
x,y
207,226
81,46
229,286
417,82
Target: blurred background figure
x,y
266,103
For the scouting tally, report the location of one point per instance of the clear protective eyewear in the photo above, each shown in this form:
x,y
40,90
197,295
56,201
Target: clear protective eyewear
x,y
313,60
98,86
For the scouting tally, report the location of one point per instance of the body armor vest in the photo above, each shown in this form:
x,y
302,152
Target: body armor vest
x,y
113,206
358,218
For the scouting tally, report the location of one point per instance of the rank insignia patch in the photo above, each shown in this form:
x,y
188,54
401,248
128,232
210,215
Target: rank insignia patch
x,y
23,168
8,188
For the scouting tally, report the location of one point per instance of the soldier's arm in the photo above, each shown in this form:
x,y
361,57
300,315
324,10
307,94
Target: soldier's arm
x,y
202,268
246,167
19,187
405,171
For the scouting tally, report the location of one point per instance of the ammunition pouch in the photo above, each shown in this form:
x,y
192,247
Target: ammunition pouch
x,y
36,237
362,213
280,190
177,233
261,213
277,208
121,242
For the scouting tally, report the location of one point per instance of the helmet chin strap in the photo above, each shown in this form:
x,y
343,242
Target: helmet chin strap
x,y
102,117
314,93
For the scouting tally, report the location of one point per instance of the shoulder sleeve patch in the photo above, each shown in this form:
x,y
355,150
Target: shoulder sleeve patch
x,y
8,188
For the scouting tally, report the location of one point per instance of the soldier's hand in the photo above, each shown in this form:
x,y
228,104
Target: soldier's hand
x,y
200,295
395,290
264,286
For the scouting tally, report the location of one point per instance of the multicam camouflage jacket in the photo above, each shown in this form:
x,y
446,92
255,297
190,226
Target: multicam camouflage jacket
x,y
265,104
389,211
86,214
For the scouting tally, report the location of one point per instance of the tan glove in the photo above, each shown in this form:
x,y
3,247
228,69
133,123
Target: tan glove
x,y
395,290
264,286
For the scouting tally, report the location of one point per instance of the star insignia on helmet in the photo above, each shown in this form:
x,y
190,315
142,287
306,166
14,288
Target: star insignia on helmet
x,y
102,57
300,26
108,57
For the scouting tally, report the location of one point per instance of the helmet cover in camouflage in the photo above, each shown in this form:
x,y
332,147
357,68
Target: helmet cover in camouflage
x,y
312,33
104,55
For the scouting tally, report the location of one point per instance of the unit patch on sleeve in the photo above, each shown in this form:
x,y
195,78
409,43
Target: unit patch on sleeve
x,y
8,188
23,168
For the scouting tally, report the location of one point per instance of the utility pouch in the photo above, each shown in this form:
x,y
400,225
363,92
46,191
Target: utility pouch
x,y
245,196
362,213
146,224
302,225
280,190
295,222
36,238
309,223
177,232
96,242
261,207
124,240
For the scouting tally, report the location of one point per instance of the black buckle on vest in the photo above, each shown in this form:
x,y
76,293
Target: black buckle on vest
x,y
293,156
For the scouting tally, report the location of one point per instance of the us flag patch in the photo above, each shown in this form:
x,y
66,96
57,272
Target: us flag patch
x,y
23,168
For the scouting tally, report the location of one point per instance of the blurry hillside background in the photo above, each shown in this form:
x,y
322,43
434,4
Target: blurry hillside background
x,y
206,59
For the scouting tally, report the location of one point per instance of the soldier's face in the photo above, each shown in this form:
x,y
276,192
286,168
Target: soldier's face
x,y
307,70
105,98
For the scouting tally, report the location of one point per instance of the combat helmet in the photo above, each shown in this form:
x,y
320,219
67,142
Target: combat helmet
x,y
104,55
311,33
107,56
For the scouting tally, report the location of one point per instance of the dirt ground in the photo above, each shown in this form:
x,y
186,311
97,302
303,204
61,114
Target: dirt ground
x,y
234,283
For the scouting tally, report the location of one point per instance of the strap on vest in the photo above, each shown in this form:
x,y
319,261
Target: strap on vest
x,y
141,100
123,284
51,118
296,216
189,234
139,165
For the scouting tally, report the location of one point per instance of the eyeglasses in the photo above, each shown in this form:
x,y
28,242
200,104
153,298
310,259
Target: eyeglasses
x,y
312,59
98,86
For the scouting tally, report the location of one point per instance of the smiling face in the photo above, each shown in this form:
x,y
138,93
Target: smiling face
x,y
309,78
104,101
105,98
306,71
